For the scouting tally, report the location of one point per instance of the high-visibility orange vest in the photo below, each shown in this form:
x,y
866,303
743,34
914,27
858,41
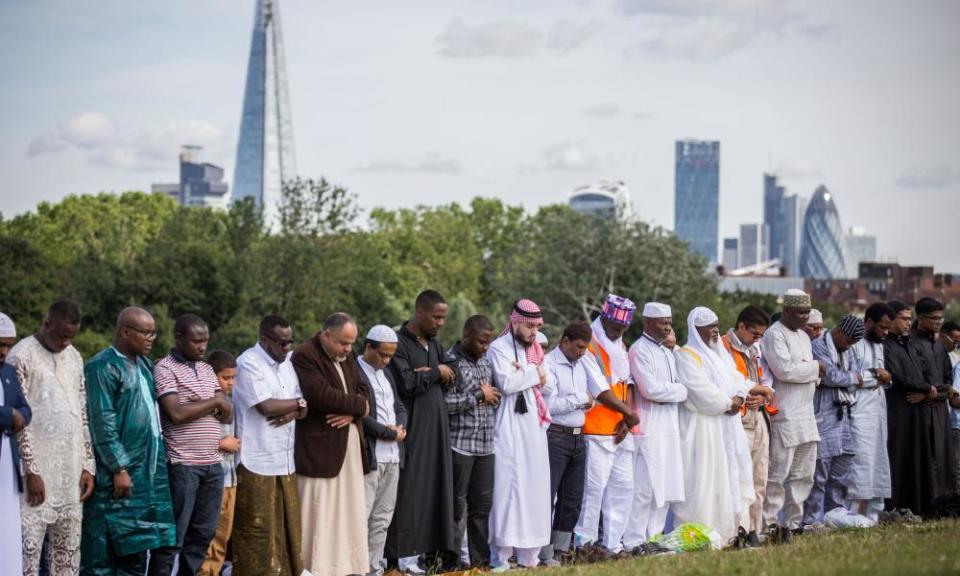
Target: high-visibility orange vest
x,y
740,360
601,420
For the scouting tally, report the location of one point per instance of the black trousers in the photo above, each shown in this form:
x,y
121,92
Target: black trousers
x,y
472,501
568,468
196,492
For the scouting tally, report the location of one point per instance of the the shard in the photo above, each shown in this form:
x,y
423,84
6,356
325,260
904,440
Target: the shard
x,y
265,153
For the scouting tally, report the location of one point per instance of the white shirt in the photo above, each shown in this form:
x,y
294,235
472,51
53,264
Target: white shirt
x,y
264,449
567,391
387,451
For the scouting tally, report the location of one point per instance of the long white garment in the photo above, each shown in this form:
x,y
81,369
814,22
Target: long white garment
x,y
56,446
520,515
869,475
660,392
789,357
711,494
10,535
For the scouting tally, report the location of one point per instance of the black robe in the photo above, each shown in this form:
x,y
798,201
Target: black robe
x,y
423,518
913,444
939,372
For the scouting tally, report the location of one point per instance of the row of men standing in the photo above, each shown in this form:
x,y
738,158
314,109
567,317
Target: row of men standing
x,y
447,443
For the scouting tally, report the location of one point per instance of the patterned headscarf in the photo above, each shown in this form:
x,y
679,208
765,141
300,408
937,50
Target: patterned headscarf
x,y
527,311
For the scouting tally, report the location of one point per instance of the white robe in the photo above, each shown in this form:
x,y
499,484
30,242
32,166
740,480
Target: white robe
x,y
521,511
869,475
718,478
659,393
10,535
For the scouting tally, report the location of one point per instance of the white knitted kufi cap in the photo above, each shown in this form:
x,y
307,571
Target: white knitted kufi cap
x,y
7,328
703,316
382,333
816,317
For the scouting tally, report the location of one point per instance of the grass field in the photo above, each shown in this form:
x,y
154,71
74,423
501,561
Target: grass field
x,y
928,548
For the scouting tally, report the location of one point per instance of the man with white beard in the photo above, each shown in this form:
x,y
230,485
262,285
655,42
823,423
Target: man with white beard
x,y
717,471
658,473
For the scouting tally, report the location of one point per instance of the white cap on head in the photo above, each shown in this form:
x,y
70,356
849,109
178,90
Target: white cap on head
x,y
816,317
703,316
7,328
381,333
542,338
656,310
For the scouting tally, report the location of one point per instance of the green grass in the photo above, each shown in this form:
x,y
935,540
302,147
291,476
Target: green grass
x,y
928,548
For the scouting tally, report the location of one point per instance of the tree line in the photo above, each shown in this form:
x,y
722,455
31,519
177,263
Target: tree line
x,y
108,251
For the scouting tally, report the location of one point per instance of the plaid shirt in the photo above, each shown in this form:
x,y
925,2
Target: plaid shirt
x,y
471,422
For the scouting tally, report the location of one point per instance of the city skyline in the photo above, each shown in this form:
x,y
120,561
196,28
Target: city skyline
x,y
453,100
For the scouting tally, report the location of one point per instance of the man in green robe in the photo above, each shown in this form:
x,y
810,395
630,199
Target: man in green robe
x,y
130,511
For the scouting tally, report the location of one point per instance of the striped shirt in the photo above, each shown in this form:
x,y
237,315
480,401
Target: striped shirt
x,y
194,443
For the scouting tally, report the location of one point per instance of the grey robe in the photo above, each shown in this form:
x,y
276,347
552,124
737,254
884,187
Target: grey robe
x,y
869,475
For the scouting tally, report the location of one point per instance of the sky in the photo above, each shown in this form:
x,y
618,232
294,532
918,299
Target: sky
x,y
438,101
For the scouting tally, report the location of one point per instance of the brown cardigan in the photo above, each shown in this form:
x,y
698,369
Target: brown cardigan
x,y
320,449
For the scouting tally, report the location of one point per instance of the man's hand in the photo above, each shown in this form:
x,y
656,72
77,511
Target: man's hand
x,y
588,405
122,485
86,485
630,420
19,422
490,394
823,367
735,403
622,430
447,375
859,380
36,493
765,392
754,401
230,444
932,394
401,432
224,407
278,421
915,397
883,376
542,373
339,420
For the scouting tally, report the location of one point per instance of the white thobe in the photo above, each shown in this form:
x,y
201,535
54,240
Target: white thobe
x,y
658,473
869,475
718,479
521,511
11,540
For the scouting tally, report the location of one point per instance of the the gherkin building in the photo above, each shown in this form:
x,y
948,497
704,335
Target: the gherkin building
x,y
822,254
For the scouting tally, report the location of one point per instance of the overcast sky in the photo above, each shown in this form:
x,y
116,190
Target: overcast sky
x,y
436,101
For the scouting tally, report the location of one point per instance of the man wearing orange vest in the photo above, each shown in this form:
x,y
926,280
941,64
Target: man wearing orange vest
x,y
608,486
742,344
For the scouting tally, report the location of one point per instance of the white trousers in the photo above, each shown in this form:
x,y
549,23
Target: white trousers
x,y
871,508
646,518
608,486
789,481
11,538
526,557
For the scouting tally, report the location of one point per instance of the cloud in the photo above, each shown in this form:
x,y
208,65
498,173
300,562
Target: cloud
x,y
567,35
707,30
506,39
569,156
104,144
603,110
432,163
936,176
512,39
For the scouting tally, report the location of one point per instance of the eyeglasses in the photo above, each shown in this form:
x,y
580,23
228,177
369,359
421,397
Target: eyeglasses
x,y
278,342
932,318
148,334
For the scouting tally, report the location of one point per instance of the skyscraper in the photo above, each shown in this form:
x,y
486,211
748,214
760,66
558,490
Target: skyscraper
x,y
201,183
783,217
606,198
773,194
861,247
697,195
731,257
754,245
822,249
265,154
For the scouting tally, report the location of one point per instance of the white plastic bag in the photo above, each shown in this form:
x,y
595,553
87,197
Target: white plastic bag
x,y
840,517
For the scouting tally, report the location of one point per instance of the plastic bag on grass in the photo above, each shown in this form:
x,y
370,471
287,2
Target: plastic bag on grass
x,y
690,537
840,517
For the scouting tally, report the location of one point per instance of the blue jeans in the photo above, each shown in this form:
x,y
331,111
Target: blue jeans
x,y
196,492
568,467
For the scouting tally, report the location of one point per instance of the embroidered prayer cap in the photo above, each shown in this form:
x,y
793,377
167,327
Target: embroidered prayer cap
x,y
852,326
7,328
381,333
618,309
796,298
927,305
703,316
816,317
657,310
